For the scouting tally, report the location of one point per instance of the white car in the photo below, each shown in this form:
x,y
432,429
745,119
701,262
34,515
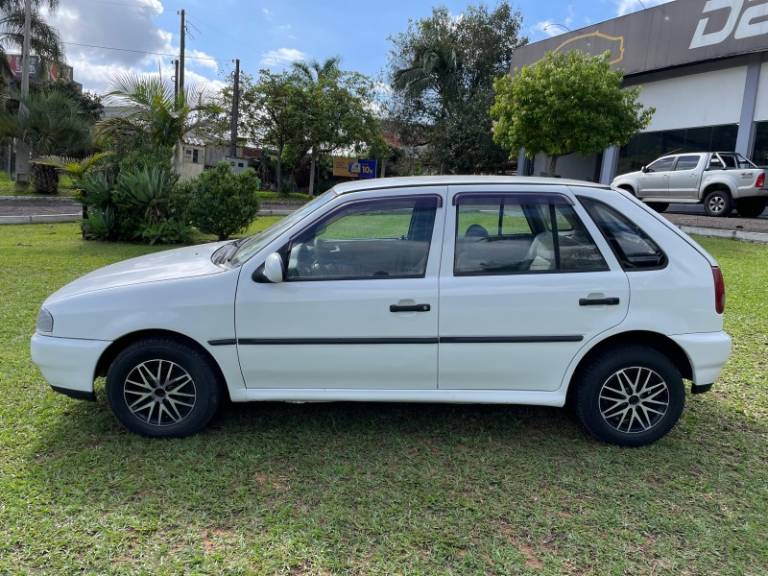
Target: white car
x,y
436,289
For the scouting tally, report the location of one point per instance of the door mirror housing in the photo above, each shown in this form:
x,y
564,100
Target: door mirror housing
x,y
644,169
271,271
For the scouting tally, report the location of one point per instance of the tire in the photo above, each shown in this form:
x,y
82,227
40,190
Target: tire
x,y
718,203
751,207
658,206
184,402
604,411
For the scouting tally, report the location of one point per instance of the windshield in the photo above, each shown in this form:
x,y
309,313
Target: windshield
x,y
253,244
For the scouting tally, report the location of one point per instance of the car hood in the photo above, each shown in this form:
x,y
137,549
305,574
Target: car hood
x,y
628,175
175,264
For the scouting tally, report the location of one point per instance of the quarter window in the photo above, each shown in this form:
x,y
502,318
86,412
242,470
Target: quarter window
x,y
375,239
521,235
632,247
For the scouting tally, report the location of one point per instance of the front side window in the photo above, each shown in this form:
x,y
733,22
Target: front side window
x,y
375,239
521,234
662,165
632,246
687,163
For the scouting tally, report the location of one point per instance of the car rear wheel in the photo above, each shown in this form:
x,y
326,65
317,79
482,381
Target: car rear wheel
x,y
658,206
718,203
162,388
630,396
751,207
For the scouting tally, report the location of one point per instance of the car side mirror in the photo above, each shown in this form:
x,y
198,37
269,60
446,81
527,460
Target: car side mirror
x,y
644,169
271,271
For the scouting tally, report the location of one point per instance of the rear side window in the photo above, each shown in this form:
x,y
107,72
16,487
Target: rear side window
x,y
525,234
633,248
687,163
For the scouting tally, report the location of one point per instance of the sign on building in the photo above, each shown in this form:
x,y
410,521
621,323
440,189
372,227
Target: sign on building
x,y
345,167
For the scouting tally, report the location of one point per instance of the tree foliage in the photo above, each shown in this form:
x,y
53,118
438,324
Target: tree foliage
x,y
44,40
565,103
442,70
337,111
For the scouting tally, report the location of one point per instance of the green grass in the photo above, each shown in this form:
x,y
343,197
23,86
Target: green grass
x,y
374,489
8,187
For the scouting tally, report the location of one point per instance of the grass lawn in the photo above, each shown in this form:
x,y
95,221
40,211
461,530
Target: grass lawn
x,y
371,488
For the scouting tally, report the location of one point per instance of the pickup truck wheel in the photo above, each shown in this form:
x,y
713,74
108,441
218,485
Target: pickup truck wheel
x,y
162,388
658,206
718,203
751,207
629,396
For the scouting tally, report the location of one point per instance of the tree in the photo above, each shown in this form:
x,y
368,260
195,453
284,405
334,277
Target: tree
x,y
276,119
565,103
44,40
54,124
337,111
89,102
157,121
442,70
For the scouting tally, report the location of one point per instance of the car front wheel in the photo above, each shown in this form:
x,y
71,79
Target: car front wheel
x,y
630,396
162,388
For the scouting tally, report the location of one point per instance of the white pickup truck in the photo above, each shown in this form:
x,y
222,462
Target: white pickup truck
x,y
719,180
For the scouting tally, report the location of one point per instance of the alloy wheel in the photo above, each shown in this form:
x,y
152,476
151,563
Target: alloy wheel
x,y
159,392
633,400
716,204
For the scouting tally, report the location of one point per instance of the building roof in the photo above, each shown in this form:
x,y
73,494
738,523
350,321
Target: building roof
x,y
402,182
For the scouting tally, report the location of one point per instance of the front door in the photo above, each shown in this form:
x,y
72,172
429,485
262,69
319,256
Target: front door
x,y
654,182
526,280
358,308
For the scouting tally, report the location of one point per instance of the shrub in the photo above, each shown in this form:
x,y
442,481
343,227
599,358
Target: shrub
x,y
141,205
221,202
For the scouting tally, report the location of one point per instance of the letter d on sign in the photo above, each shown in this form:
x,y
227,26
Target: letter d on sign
x,y
701,39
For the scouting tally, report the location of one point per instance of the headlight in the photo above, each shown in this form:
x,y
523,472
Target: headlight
x,y
44,321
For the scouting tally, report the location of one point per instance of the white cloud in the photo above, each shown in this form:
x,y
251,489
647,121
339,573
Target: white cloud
x,y
129,26
282,56
626,6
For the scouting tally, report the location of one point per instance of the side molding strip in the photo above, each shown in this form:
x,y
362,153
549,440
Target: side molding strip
x,y
427,340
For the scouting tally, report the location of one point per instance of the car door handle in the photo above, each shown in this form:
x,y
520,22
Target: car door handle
x,y
598,302
409,308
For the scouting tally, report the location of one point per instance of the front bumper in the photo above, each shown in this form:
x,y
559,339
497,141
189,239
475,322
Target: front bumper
x,y
68,364
707,353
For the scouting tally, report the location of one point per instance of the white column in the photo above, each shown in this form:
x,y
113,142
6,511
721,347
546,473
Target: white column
x,y
609,165
745,138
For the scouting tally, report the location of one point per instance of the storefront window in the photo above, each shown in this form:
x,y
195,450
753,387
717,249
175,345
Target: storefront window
x,y
760,156
646,147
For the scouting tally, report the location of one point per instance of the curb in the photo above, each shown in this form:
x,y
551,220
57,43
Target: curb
x,y
55,218
744,235
39,219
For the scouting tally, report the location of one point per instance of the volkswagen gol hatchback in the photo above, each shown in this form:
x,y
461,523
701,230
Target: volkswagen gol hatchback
x,y
436,289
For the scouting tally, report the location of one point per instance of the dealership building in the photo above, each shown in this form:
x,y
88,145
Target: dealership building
x,y
702,64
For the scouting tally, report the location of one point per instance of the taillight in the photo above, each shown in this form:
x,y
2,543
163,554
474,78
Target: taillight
x,y
760,180
719,290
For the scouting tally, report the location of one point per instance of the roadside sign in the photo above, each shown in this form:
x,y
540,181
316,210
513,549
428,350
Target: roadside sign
x,y
346,167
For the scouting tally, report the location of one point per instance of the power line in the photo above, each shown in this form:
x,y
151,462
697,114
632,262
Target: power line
x,y
166,54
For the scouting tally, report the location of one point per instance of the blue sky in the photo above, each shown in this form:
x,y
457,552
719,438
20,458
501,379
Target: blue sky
x,y
267,33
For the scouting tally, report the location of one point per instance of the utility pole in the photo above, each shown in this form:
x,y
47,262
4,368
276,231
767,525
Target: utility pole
x,y
22,150
235,111
182,45
175,81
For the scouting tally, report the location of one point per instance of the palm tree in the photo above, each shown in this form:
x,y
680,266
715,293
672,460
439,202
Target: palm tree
x,y
54,124
157,119
44,40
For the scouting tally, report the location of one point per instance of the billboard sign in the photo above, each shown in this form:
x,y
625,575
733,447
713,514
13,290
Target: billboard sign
x,y
672,34
345,167
50,71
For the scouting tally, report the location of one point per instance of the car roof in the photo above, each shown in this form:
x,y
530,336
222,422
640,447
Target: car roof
x,y
407,181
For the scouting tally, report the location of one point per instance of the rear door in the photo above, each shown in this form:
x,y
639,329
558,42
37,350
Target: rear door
x,y
684,178
525,280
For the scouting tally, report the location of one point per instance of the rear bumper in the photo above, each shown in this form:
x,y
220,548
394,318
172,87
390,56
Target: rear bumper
x,y
750,193
68,364
707,353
